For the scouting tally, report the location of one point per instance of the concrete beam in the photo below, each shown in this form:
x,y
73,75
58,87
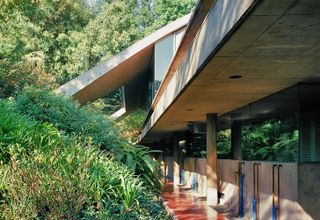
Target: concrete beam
x,y
212,177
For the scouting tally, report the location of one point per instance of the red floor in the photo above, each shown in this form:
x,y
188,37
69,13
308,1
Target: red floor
x,y
184,206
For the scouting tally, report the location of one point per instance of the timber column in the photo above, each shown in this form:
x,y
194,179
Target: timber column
x,y
212,177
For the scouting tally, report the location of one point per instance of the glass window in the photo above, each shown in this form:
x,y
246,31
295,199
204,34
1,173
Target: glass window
x,y
275,139
163,56
178,37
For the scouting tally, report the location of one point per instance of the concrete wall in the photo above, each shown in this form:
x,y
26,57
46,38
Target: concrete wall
x,y
229,187
290,209
197,166
167,167
299,188
308,188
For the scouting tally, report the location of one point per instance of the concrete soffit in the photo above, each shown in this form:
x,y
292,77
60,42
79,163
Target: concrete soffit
x,y
199,15
221,18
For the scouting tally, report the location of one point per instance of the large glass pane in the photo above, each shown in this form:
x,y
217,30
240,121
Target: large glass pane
x,y
178,37
163,56
274,139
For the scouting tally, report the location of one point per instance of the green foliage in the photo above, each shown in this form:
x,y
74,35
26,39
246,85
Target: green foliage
x,y
130,126
273,140
35,36
166,11
130,192
46,175
108,104
117,25
67,116
139,161
199,145
224,144
45,43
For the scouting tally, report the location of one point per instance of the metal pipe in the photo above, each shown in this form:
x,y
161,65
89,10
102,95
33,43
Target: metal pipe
x,y
274,208
240,196
279,167
276,204
254,180
256,196
254,202
273,185
258,192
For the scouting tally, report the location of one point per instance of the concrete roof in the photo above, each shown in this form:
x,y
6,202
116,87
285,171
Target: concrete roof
x,y
119,69
272,44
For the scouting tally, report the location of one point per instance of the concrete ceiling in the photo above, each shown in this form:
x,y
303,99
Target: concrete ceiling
x,y
276,46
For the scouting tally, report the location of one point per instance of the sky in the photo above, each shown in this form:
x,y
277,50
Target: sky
x,y
91,2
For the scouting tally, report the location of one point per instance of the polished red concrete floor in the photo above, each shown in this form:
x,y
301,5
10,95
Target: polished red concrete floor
x,y
184,206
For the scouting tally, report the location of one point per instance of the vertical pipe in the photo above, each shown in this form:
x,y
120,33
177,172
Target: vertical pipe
x,y
254,180
274,208
273,186
241,177
258,194
279,166
254,202
241,214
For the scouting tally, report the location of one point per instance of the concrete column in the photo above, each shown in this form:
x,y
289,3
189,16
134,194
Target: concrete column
x,y
176,165
236,141
162,162
212,177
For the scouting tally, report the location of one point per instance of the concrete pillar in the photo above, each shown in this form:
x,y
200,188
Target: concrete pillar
x,y
162,162
236,141
176,165
212,177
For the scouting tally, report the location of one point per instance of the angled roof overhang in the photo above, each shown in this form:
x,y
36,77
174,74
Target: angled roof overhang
x,y
125,68
271,44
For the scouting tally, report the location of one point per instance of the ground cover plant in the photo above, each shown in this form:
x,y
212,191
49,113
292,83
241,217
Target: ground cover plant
x,y
71,119
46,174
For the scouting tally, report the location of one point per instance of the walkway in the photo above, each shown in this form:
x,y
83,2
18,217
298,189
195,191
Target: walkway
x,y
185,206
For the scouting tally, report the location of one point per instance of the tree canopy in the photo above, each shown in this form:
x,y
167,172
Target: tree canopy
x,y
47,43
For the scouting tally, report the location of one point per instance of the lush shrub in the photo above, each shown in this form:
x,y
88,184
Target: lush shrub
x,y
69,117
46,175
275,139
137,156
130,126
139,161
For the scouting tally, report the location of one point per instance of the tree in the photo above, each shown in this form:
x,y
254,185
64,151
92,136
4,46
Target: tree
x,y
34,36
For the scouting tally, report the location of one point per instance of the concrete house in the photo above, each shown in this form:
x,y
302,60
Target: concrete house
x,y
228,64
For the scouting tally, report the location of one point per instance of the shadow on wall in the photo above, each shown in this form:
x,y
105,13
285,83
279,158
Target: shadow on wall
x,y
167,167
229,186
196,168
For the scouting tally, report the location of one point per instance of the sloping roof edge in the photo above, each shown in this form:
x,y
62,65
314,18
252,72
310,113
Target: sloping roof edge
x,y
191,65
77,84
